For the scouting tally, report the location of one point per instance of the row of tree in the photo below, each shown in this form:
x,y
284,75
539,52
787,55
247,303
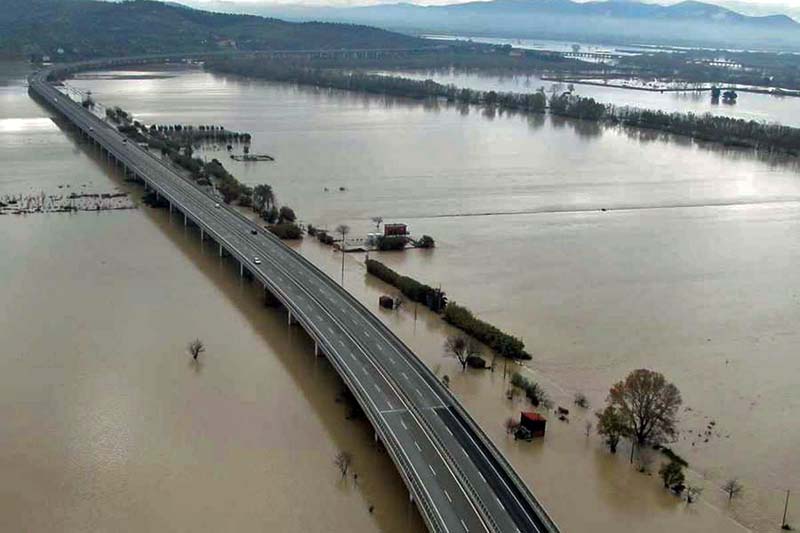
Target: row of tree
x,y
433,299
726,130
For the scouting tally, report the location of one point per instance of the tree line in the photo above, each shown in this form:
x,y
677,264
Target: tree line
x,y
710,128
459,316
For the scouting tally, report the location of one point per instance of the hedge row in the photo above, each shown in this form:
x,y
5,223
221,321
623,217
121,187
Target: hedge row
x,y
433,299
502,343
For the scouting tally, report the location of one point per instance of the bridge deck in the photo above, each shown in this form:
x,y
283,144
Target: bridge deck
x,y
459,480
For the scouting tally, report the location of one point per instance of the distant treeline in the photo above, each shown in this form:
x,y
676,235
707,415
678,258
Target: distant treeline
x,y
725,130
435,299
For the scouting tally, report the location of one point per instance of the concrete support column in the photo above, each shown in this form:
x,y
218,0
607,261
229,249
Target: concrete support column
x,y
202,235
220,250
185,220
290,317
316,349
170,207
241,270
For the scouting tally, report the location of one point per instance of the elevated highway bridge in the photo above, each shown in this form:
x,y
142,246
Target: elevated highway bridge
x,y
455,475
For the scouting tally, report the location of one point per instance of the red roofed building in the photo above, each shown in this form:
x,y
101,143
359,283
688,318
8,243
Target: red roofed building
x,y
533,422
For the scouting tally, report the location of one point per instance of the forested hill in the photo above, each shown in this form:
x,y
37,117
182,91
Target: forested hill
x,y
69,29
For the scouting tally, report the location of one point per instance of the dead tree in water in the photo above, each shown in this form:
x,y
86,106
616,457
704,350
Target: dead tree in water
x,y
343,460
196,347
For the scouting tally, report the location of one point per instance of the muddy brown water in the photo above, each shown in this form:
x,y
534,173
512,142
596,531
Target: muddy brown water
x,y
689,270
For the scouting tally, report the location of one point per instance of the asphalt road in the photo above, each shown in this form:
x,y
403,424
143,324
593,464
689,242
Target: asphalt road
x,y
458,479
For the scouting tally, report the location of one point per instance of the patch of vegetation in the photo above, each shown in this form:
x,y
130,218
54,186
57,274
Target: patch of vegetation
x,y
286,230
534,392
433,299
502,343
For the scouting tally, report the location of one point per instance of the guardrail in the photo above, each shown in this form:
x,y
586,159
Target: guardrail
x,y
404,466
398,455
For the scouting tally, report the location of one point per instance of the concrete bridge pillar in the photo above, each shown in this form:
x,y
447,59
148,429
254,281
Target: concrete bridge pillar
x,y
220,250
316,349
202,235
185,220
291,318
241,269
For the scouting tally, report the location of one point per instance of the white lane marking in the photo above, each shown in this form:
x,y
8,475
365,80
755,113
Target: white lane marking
x,y
417,445
389,404
483,478
503,507
432,470
447,495
376,387
448,430
352,356
366,333
341,343
404,375
418,392
464,524
364,370
330,329
404,425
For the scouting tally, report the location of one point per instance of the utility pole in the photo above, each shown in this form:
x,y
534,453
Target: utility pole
x,y
784,525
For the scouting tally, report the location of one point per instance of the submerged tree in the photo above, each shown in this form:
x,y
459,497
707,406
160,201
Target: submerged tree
x,y
343,460
462,348
611,427
732,487
671,474
196,347
648,405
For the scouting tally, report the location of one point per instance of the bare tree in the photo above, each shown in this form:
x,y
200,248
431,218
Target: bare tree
x,y
343,460
733,488
378,221
693,493
462,348
648,405
196,347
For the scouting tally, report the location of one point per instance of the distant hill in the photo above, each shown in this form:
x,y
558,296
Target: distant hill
x,y
88,28
689,23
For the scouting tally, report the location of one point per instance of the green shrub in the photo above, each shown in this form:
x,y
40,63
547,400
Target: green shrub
x,y
386,244
433,299
502,343
286,231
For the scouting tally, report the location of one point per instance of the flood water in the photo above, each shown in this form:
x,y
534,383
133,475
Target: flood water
x,y
749,106
605,249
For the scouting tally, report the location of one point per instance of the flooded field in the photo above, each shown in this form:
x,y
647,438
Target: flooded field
x,y
749,106
107,424
605,249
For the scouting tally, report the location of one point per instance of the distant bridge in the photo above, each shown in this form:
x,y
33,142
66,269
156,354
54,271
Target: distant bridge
x,y
458,479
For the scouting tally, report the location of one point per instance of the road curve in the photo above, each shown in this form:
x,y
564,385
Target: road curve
x,y
456,476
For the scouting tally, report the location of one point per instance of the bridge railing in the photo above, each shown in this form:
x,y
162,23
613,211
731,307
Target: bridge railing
x,y
404,466
376,420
